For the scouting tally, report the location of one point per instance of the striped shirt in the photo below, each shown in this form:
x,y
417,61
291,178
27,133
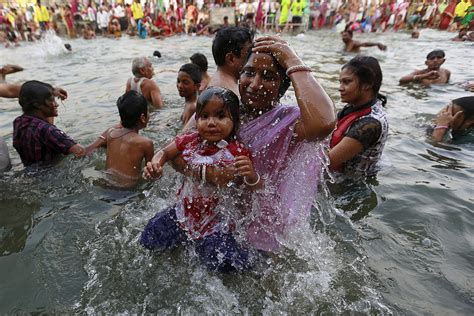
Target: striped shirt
x,y
38,141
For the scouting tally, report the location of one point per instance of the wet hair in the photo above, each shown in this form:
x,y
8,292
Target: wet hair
x,y
230,100
157,53
200,60
435,53
193,71
131,106
368,71
68,46
137,64
34,94
467,105
348,32
229,40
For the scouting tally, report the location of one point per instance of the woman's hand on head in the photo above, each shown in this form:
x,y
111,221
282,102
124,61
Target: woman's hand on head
x,y
278,48
445,117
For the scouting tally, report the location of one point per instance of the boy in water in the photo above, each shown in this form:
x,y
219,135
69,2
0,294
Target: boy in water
x,y
188,83
125,147
433,73
352,46
36,140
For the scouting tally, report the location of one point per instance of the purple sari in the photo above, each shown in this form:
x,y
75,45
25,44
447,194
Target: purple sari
x,y
291,170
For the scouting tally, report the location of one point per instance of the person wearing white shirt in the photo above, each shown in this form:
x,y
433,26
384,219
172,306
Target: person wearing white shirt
x,y
103,17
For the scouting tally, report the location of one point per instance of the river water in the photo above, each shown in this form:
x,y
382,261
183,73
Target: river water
x,y
402,243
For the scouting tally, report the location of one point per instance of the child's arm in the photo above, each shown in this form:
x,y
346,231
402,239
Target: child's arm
x,y
245,168
148,150
101,141
154,168
77,150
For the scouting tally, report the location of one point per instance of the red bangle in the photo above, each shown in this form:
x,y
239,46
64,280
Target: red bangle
x,y
296,68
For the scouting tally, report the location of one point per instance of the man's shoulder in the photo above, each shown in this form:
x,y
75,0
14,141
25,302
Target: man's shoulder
x,y
445,71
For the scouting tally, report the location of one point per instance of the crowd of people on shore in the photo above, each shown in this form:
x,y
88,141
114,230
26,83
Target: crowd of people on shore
x,y
154,19
236,137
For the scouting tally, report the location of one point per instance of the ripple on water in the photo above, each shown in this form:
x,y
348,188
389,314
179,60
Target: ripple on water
x,y
71,246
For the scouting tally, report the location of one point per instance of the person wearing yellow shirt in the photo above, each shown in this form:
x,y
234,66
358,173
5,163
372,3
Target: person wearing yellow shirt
x,y
461,10
137,11
41,15
284,8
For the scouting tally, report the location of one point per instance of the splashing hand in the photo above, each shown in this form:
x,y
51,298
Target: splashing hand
x,y
60,93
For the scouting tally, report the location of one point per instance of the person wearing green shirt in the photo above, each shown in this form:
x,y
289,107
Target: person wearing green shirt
x,y
296,9
285,6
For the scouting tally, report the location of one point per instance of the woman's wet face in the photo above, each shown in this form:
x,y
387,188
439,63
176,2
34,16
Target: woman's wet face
x,y
349,86
259,82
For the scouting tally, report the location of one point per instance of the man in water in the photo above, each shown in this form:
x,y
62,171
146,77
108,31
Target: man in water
x,y
352,46
433,73
141,82
230,50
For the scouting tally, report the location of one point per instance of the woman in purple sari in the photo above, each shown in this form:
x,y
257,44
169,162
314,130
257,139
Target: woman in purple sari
x,y
285,141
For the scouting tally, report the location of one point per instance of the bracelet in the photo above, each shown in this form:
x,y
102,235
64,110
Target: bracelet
x,y
296,68
252,184
441,127
102,137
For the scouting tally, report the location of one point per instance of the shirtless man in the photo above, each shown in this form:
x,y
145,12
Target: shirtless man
x,y
141,82
230,50
433,73
352,46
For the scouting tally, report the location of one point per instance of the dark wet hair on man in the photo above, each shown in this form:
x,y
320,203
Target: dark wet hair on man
x,y
348,32
68,47
131,106
229,40
34,94
230,100
193,71
199,60
435,53
157,54
467,105
368,71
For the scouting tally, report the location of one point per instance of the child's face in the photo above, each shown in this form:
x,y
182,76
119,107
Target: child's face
x,y
185,85
214,123
50,107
